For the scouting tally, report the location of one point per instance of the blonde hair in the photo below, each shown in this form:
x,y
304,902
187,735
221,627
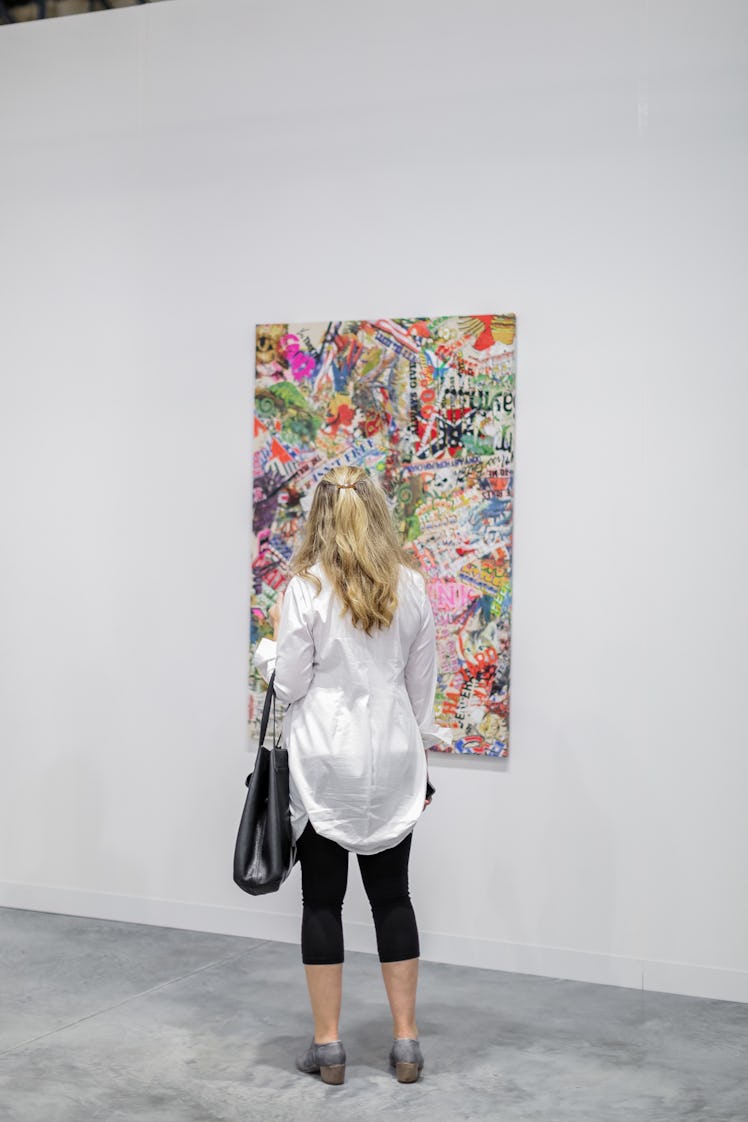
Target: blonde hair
x,y
350,532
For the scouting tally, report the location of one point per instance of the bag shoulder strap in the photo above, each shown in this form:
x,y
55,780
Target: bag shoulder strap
x,y
269,703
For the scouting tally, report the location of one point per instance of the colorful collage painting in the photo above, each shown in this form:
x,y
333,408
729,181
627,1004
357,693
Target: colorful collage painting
x,y
428,405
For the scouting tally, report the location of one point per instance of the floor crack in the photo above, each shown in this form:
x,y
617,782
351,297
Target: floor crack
x,y
135,996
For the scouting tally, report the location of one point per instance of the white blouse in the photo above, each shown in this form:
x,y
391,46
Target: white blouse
x,y
360,712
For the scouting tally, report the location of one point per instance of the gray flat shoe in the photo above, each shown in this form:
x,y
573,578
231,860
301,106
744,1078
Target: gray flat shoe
x,y
327,1059
407,1060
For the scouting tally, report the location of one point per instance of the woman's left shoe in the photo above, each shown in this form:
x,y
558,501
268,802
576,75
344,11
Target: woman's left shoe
x,y
327,1059
406,1058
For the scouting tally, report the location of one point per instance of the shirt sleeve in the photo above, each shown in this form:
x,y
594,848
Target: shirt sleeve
x,y
264,657
420,678
294,651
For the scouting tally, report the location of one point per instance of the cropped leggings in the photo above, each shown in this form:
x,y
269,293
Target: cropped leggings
x,y
324,878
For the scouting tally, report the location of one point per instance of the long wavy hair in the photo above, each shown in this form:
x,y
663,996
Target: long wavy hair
x,y
350,532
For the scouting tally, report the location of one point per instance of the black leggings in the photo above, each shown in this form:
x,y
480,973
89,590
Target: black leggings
x,y
324,878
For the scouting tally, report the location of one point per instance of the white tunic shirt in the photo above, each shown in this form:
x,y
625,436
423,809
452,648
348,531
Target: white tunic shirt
x,y
360,712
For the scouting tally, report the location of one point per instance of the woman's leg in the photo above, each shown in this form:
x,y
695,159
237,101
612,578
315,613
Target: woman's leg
x,y
385,877
324,878
401,983
325,985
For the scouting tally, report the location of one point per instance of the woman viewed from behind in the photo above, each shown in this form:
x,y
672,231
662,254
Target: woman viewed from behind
x,y
355,661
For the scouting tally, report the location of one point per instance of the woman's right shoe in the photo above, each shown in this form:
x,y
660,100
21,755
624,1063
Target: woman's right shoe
x,y
407,1060
327,1060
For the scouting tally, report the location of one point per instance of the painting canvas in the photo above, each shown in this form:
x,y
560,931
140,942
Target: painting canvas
x,y
426,404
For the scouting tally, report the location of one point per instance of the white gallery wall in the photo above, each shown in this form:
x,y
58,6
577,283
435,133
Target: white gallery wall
x,y
174,174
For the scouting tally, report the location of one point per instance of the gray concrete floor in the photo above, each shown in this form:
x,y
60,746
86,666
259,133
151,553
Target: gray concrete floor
x,y
121,1022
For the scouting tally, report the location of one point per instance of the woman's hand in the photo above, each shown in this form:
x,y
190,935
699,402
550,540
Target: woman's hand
x,y
428,797
274,615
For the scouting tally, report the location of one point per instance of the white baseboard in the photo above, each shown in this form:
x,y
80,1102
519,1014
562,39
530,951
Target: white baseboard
x,y
687,979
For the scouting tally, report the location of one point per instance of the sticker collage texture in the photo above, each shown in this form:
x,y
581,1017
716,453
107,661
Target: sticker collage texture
x,y
427,405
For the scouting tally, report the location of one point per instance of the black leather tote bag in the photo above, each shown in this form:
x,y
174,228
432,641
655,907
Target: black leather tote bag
x,y
264,854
